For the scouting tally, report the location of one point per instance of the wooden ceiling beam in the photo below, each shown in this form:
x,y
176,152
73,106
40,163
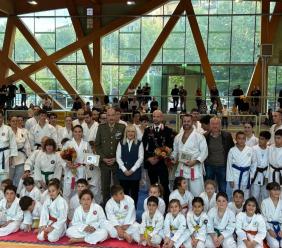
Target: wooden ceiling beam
x,y
7,7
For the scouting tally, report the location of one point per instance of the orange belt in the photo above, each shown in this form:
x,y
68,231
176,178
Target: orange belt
x,y
255,233
53,219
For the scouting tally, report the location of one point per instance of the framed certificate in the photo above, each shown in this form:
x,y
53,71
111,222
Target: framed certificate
x,y
183,157
92,159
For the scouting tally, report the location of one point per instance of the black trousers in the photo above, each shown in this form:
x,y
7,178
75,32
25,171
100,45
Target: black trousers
x,y
158,173
131,188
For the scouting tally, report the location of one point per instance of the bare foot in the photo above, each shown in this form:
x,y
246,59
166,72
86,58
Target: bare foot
x,y
74,240
127,237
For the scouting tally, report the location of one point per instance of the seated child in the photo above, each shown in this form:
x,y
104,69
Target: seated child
x,y
121,215
53,218
11,214
238,201
156,190
30,189
87,221
45,194
250,226
152,224
174,226
32,210
4,184
181,193
209,195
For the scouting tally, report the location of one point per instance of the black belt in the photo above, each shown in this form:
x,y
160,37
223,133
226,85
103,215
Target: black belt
x,y
258,170
22,151
37,145
3,156
275,170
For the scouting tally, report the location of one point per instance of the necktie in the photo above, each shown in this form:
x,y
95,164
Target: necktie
x,y
157,129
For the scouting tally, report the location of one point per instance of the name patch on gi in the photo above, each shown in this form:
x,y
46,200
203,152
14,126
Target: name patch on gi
x,y
52,161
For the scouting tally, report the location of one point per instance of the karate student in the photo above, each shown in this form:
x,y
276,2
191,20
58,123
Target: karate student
x,y
89,126
53,217
88,221
209,195
190,149
221,224
156,190
275,159
11,214
181,193
30,189
271,209
66,131
53,117
237,203
250,226
120,211
197,221
32,211
8,148
251,139
260,166
239,162
174,226
4,184
152,224
81,184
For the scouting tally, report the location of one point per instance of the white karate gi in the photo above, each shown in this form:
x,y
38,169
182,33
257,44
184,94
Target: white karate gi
x,y
95,218
8,148
30,123
32,218
275,161
73,205
44,196
187,198
234,209
197,227
13,213
259,169
225,225
76,122
152,227
195,148
35,193
161,205
57,209
119,214
242,159
197,127
272,131
174,229
254,223
37,132
272,213
253,141
89,133
59,130
64,133
209,203
81,151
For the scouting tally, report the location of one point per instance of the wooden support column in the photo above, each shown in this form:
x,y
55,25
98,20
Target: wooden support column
x,y
7,7
157,46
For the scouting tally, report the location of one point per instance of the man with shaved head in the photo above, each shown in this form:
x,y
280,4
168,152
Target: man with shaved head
x,y
156,136
277,120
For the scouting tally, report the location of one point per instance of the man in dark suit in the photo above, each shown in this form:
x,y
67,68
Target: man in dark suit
x,y
175,97
158,135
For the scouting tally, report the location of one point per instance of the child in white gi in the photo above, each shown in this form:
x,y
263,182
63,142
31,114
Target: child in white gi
x,y
209,195
4,184
181,193
239,162
197,221
221,224
32,210
81,184
11,214
271,209
260,167
52,225
156,190
88,221
236,206
174,226
152,224
30,189
121,215
250,225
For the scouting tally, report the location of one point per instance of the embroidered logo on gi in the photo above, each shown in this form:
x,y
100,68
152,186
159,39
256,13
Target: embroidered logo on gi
x,y
94,212
125,207
205,222
52,161
84,151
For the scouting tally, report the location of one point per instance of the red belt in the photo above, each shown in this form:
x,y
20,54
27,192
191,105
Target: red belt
x,y
53,219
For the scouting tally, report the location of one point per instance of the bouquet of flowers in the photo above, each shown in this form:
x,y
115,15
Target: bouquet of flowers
x,y
70,154
164,153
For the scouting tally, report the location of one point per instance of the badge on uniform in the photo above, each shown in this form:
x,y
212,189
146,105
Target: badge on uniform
x,y
52,161
205,222
94,212
118,135
125,207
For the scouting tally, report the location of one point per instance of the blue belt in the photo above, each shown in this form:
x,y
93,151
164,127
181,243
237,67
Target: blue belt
x,y
276,229
3,156
242,171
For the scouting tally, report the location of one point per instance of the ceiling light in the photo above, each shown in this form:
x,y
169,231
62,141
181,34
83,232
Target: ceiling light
x,y
32,2
130,2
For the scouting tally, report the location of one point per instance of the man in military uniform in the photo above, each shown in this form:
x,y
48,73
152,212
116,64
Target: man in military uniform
x,y
158,135
108,136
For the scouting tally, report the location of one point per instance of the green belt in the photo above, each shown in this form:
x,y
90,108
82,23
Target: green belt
x,y
217,232
46,174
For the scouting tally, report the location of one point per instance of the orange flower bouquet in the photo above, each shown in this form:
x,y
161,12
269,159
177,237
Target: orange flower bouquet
x,y
164,153
70,154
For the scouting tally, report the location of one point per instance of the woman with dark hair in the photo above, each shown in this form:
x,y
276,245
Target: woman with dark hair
x,y
48,164
251,139
250,225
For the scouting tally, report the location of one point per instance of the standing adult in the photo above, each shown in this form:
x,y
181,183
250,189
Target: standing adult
x,y
237,100
23,95
182,95
108,136
32,121
198,98
89,126
175,97
219,143
256,93
154,104
80,118
190,150
214,94
11,95
277,120
156,136
53,120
